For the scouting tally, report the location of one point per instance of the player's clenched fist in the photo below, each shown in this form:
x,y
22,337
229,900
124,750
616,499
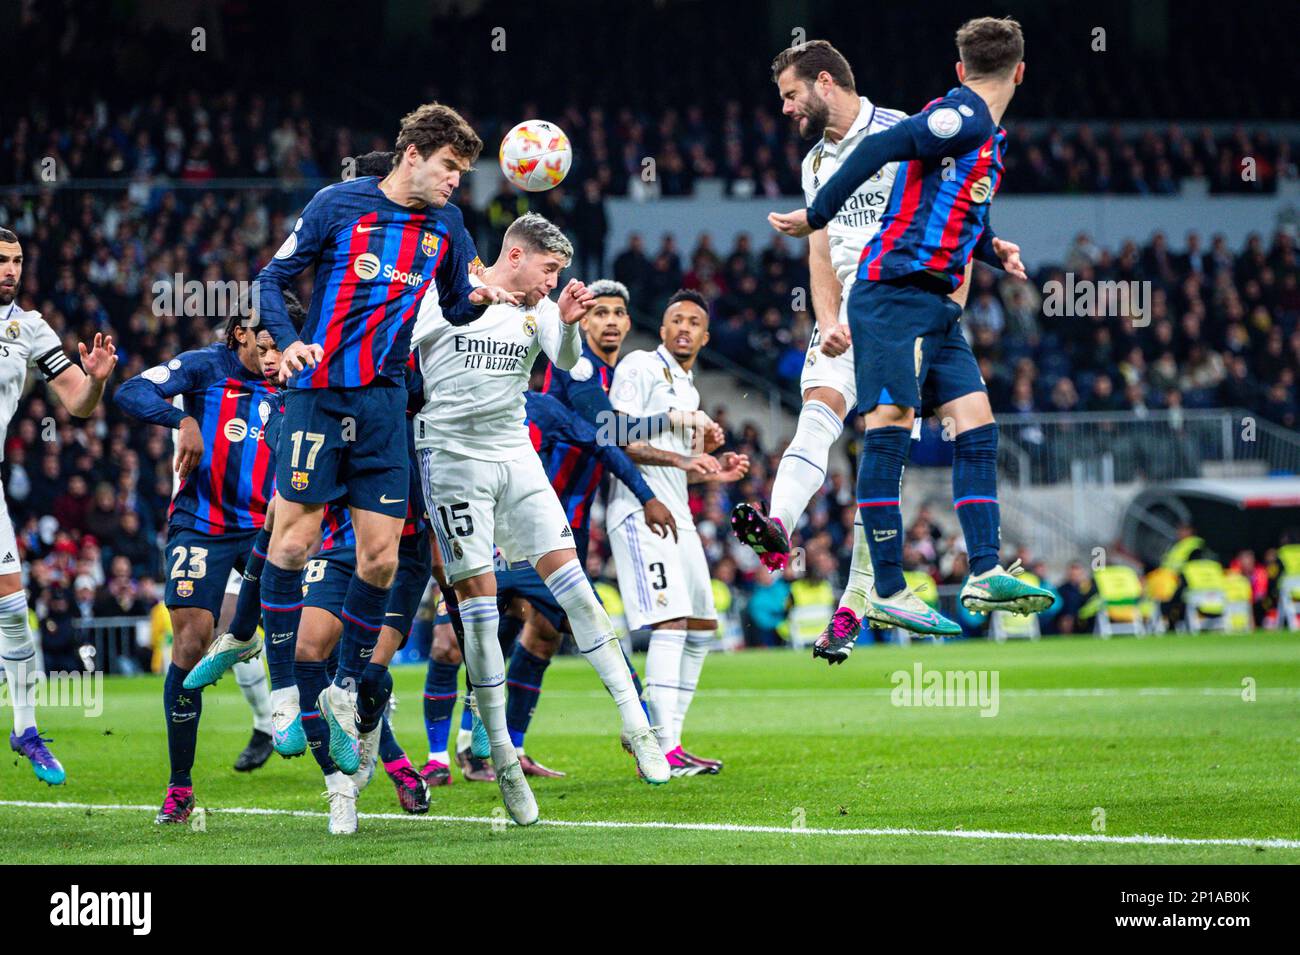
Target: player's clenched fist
x,y
575,301
298,356
837,341
733,467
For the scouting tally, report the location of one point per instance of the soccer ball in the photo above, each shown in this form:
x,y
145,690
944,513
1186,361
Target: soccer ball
x,y
536,155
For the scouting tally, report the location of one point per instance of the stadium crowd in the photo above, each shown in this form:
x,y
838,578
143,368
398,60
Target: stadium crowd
x,y
752,150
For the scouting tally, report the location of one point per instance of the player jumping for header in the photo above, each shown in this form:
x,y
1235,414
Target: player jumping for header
x,y
908,345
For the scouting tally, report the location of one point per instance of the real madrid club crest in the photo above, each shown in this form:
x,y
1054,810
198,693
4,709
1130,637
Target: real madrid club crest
x,y
184,588
11,330
428,243
456,550
530,326
299,480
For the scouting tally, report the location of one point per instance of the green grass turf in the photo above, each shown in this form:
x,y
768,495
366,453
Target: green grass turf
x,y
1075,731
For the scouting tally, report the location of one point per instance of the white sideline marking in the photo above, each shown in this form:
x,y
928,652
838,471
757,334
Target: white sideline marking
x,y
1080,691
711,826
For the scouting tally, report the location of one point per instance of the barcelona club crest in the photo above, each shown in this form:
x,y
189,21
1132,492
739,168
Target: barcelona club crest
x,y
428,243
299,480
184,588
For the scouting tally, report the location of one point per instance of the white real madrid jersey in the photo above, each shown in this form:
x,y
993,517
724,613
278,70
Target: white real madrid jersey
x,y
26,341
475,375
859,218
650,383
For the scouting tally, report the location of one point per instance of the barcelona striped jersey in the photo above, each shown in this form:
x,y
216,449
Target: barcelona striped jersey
x,y
950,159
234,480
374,263
575,472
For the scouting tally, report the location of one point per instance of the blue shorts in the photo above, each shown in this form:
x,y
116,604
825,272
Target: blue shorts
x,y
342,443
327,576
908,348
522,580
198,566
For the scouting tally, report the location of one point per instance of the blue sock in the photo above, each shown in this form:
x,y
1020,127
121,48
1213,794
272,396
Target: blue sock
x,y
312,679
181,709
388,748
363,616
508,629
281,611
373,693
439,702
975,494
248,608
880,477
524,678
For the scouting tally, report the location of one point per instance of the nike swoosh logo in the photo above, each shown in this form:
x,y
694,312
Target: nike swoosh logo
x,y
278,638
234,394
368,228
384,499
391,614
184,717
985,153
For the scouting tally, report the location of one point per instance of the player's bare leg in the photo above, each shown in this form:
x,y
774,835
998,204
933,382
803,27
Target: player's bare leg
x,y
486,668
594,634
18,653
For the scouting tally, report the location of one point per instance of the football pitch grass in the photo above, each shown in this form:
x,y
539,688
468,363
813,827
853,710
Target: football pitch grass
x,y
1178,749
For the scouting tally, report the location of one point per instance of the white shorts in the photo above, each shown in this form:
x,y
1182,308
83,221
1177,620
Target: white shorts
x,y
821,371
660,579
9,562
234,582
475,504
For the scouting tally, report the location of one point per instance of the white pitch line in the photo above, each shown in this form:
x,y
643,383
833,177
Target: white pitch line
x,y
1143,840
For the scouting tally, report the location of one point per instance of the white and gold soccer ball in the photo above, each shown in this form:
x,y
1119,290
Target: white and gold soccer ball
x,y
536,155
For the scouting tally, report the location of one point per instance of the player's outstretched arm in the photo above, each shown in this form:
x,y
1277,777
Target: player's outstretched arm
x,y
1000,254
79,389
148,397
727,468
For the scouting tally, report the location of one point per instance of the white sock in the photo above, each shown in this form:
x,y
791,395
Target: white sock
x,y
251,677
694,652
487,671
802,470
442,757
861,574
594,633
286,697
464,740
663,666
19,654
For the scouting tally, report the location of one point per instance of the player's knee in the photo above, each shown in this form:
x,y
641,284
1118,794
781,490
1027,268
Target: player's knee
x,y
377,565
292,548
448,654
677,624
188,646
540,643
